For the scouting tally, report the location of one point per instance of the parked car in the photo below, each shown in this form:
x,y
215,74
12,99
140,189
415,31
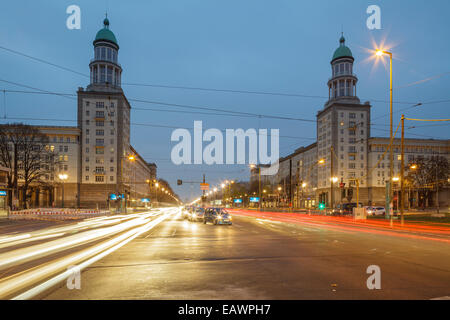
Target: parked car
x,y
345,208
217,216
197,214
376,211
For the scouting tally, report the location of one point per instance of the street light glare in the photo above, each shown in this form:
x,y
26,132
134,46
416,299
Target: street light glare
x,y
379,53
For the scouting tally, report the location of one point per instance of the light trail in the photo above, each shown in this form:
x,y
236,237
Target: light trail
x,y
31,279
424,232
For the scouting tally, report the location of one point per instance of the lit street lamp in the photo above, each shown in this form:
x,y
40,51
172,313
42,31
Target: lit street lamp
x,y
62,177
380,53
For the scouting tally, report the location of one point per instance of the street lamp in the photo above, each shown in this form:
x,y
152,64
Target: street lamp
x,y
62,177
380,53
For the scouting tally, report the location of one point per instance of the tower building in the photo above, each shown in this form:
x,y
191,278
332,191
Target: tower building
x,y
104,122
342,130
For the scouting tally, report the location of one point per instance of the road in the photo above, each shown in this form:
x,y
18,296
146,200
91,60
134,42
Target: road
x,y
265,256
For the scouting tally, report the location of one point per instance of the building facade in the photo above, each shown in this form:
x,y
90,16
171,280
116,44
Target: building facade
x,y
95,164
345,153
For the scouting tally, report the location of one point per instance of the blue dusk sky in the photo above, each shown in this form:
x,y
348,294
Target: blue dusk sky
x,y
282,46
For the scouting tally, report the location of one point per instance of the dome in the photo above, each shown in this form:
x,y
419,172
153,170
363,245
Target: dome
x,y
342,51
105,34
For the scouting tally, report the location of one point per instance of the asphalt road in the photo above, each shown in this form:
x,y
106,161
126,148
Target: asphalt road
x,y
264,259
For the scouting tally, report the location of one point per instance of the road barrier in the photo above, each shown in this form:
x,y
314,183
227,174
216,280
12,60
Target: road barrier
x,y
56,214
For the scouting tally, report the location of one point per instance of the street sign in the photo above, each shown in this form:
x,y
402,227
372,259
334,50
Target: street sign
x,y
342,185
113,197
145,200
3,193
254,199
237,200
204,186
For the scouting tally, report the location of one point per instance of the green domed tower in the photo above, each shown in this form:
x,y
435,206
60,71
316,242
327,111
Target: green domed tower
x,y
342,84
106,72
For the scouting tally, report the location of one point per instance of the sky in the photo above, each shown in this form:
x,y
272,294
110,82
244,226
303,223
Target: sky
x,y
282,46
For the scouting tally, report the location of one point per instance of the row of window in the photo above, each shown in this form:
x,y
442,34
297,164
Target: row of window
x,y
100,123
99,160
100,178
105,53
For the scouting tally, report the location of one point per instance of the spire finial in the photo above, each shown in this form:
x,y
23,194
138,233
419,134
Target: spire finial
x,y
106,21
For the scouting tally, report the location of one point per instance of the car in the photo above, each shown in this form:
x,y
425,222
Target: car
x,y
197,214
345,208
185,212
217,216
376,211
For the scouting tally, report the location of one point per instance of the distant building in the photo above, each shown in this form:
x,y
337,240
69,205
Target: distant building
x,y
345,150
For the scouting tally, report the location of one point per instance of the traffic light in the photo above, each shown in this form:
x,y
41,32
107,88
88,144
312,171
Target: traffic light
x,y
179,182
321,206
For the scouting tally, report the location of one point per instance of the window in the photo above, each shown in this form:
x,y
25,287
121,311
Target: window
x,y
66,148
351,157
87,140
99,132
65,167
60,148
99,104
68,140
351,149
99,151
99,114
352,115
87,112
99,169
87,178
87,122
100,123
111,178
87,150
99,142
87,103
87,168
66,158
111,160
99,178
87,159
87,131
111,169
351,165
362,115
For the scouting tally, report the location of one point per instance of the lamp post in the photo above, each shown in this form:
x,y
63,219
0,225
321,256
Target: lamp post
x,y
62,177
391,149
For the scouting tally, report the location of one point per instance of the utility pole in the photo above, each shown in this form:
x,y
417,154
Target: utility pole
x,y
437,181
259,188
402,171
331,178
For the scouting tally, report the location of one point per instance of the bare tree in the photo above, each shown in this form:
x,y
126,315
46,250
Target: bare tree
x,y
25,150
427,174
